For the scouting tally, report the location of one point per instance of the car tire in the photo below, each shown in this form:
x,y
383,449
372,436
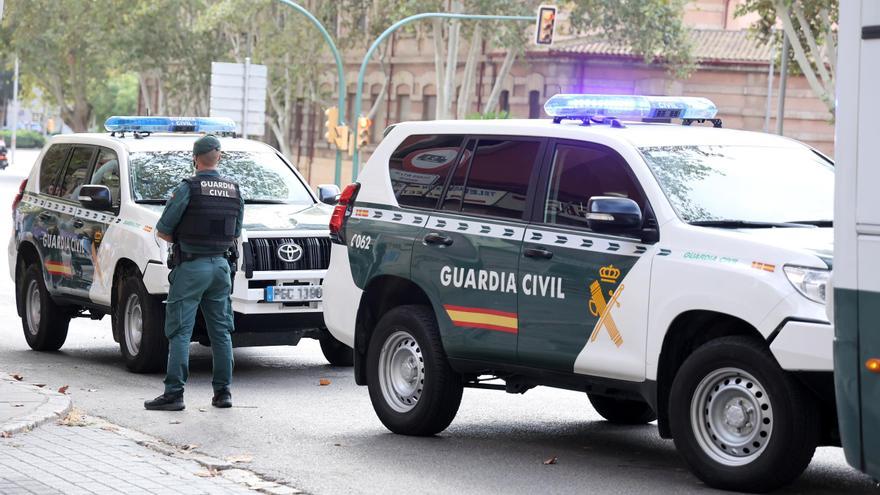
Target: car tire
x,y
44,323
412,387
740,421
336,353
141,320
622,411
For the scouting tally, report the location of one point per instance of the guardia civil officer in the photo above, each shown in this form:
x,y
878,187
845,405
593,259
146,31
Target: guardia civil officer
x,y
202,219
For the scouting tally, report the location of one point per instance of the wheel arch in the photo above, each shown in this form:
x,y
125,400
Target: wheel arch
x,y
123,267
380,295
27,255
685,334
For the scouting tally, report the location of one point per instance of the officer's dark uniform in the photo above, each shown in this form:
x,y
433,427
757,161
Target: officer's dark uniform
x,y
204,216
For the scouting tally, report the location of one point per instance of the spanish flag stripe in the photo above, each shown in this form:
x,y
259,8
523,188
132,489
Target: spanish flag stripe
x,y
57,268
483,318
464,309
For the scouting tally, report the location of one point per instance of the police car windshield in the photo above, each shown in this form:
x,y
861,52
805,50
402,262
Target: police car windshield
x,y
744,186
263,177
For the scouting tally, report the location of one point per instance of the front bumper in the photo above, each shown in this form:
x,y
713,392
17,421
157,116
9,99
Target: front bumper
x,y
804,346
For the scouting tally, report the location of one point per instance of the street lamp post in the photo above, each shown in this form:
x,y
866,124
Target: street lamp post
x,y
394,27
340,74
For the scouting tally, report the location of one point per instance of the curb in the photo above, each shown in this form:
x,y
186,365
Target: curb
x,y
54,406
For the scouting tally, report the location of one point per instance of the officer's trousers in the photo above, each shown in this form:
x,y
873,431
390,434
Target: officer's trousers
x,y
202,282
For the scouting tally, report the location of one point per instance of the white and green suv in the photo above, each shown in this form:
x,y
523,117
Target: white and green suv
x,y
671,272
85,243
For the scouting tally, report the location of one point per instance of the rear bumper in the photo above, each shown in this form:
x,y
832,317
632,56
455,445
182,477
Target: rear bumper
x,y
804,346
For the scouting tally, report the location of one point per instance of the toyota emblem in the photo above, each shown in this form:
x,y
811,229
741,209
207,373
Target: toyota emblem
x,y
290,252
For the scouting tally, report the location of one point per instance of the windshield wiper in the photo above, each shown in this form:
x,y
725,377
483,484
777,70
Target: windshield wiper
x,y
747,224
150,201
816,223
263,202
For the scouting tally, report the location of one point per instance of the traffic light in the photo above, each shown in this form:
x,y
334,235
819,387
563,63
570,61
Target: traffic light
x,y
546,23
363,131
331,134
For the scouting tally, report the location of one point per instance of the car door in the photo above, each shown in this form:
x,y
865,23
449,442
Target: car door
x,y
584,299
72,243
41,216
466,256
93,224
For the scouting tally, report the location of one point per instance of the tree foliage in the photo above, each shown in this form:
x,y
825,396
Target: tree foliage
x,y
652,29
811,28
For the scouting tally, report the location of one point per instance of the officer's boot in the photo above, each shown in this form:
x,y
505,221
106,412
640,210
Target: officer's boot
x,y
222,398
166,402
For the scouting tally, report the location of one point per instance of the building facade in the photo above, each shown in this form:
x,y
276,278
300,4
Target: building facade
x,y
732,69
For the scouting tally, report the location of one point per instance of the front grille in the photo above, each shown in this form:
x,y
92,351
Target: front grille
x,y
315,256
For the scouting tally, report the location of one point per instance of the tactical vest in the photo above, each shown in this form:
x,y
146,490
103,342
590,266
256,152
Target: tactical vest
x,y
209,219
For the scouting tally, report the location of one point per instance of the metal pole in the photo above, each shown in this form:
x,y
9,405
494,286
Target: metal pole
x,y
244,110
783,81
770,85
14,112
340,74
394,27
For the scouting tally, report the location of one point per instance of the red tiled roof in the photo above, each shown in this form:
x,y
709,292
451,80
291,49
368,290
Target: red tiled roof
x,y
709,45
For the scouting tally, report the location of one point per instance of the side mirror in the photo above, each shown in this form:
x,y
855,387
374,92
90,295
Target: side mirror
x,y
328,193
613,215
95,197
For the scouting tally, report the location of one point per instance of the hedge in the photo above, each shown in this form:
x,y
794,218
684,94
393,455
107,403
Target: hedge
x,y
24,139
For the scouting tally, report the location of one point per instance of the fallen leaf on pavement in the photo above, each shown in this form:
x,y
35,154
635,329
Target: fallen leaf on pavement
x,y
63,390
5,434
210,473
175,422
18,405
74,418
551,460
202,409
190,447
17,377
109,428
92,390
240,458
323,382
41,385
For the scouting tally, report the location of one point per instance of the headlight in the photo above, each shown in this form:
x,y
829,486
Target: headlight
x,y
812,283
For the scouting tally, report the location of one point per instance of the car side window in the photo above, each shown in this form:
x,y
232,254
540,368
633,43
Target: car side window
x,y
580,172
51,166
107,173
75,173
419,168
499,176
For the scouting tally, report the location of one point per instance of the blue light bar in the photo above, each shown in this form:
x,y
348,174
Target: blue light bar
x,y
629,107
221,125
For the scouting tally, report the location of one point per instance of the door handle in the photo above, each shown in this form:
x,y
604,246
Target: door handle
x,y
78,223
45,216
439,239
537,253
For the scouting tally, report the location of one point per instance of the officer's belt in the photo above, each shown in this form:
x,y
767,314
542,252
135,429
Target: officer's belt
x,y
184,256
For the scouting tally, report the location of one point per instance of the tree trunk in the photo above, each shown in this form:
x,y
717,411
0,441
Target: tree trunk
x,y
470,70
451,64
145,93
492,102
800,56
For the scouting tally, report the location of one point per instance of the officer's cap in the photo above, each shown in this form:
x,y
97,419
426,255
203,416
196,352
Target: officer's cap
x,y
206,144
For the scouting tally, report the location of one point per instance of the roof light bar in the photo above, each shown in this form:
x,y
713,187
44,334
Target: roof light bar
x,y
220,125
629,107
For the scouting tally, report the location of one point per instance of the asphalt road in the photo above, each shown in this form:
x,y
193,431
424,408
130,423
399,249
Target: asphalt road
x,y
326,439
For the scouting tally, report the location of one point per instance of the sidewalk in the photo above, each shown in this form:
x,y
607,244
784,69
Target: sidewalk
x,y
48,448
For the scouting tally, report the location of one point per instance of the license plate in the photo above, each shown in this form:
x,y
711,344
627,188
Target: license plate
x,y
294,293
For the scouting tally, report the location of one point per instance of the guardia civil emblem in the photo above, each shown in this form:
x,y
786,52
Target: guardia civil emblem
x,y
601,307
